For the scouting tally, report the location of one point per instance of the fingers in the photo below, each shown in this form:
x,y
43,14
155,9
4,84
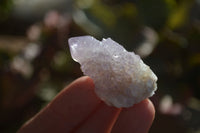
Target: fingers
x,y
78,109
67,110
101,121
136,119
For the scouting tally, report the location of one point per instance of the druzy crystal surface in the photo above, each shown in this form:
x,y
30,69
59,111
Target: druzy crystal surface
x,y
121,78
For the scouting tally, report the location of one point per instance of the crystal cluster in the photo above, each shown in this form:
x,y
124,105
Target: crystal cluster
x,y
121,78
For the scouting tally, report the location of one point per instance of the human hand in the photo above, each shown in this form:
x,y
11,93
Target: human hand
x,y
77,109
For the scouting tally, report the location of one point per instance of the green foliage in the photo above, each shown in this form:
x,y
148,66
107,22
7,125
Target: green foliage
x,y
5,7
154,13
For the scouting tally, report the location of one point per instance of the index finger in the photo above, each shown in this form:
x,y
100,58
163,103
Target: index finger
x,y
69,108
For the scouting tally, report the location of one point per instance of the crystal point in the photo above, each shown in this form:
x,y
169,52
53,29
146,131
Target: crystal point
x,y
121,78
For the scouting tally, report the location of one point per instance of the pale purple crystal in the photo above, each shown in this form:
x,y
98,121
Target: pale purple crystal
x,y
121,78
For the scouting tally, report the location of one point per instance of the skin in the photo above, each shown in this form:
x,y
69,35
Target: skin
x,y
77,109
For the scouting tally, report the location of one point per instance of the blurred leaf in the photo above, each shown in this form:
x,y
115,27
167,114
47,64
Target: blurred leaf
x,y
194,103
194,60
115,21
154,13
47,92
5,8
13,44
103,13
62,62
179,15
4,58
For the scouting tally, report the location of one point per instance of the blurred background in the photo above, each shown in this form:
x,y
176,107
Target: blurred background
x,y
35,63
